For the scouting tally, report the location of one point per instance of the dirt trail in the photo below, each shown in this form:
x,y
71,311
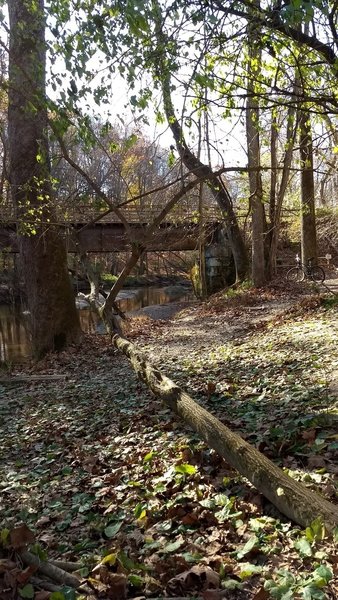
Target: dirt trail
x,y
189,329
181,329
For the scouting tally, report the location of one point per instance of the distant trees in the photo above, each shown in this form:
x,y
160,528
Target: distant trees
x,y
120,163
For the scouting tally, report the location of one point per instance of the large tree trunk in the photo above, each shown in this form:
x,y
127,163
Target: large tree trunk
x,y
274,165
276,208
308,215
254,159
292,498
54,320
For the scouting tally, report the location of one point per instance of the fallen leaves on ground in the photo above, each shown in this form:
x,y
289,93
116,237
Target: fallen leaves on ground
x,y
101,474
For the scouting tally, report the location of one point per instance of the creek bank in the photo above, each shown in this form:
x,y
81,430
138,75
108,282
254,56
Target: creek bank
x,y
12,293
14,337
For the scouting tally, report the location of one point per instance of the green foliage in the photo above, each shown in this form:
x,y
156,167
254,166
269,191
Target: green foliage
x,y
315,532
247,570
4,536
171,158
156,484
297,12
57,596
27,591
112,530
39,552
135,580
287,586
185,469
108,278
238,290
195,277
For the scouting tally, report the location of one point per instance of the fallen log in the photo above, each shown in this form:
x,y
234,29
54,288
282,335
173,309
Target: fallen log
x,y
70,567
291,497
45,585
55,573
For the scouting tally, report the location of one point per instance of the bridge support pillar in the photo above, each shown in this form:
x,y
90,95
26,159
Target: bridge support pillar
x,y
219,267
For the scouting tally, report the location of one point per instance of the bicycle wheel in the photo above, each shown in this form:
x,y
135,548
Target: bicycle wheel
x,y
295,274
317,274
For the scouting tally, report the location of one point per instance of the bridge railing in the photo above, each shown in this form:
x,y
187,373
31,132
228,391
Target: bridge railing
x,y
86,213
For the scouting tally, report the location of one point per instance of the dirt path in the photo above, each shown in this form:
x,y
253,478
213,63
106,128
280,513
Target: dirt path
x,y
211,331
190,328
179,331
330,286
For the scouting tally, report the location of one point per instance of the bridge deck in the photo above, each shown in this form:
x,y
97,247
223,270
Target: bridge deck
x,y
112,237
95,230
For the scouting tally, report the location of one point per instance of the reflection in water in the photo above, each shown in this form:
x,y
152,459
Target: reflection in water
x,y
14,335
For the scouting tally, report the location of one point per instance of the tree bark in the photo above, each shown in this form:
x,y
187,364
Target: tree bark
x,y
53,315
291,498
274,165
254,160
201,245
276,213
308,214
53,572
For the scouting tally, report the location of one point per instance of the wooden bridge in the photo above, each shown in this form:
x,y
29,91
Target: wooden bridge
x,y
180,231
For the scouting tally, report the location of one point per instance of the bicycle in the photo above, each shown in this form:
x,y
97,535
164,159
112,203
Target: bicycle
x,y
310,271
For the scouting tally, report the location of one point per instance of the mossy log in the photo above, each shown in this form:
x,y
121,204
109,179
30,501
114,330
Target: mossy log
x,y
291,497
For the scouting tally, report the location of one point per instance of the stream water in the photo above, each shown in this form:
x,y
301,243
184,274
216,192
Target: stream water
x,y
14,337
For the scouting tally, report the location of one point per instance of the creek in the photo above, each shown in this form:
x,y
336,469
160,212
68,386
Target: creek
x,y
14,336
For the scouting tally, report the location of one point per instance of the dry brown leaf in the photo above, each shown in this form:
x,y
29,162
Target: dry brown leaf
x,y
24,576
190,519
10,577
42,595
5,592
186,455
211,387
213,549
316,462
90,464
136,538
213,594
77,522
115,583
309,435
152,585
6,565
117,586
199,577
43,521
176,511
21,537
262,594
